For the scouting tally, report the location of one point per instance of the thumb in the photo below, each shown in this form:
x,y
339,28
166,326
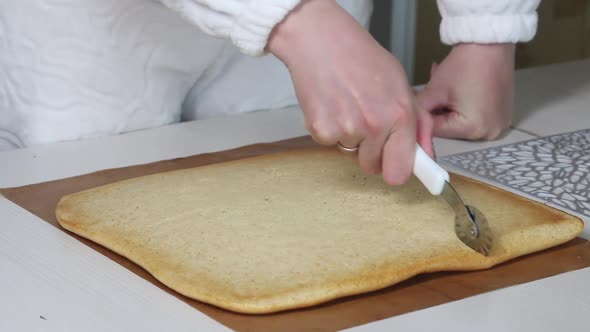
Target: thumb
x,y
424,132
430,99
444,120
449,125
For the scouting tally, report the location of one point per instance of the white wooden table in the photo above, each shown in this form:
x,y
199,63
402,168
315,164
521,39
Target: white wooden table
x,y
51,282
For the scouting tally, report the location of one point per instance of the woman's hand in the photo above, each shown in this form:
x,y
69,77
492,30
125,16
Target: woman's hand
x,y
350,89
470,95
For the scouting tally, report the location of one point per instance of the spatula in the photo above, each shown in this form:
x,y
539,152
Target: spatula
x,y
471,226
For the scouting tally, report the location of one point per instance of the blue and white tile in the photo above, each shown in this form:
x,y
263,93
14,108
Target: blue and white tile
x,y
554,170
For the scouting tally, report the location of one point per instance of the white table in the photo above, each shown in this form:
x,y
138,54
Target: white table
x,y
51,282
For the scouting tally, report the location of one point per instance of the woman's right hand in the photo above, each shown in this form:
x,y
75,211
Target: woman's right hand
x,y
351,90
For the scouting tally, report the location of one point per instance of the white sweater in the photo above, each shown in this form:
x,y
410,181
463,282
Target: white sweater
x,y
75,69
248,23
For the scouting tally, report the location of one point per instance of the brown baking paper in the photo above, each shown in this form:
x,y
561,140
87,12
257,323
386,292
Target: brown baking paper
x,y
417,293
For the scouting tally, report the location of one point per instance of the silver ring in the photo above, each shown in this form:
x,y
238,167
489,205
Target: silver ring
x,y
347,149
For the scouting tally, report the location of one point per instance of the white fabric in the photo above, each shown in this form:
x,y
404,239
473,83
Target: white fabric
x,y
8,141
487,21
247,23
246,83
74,69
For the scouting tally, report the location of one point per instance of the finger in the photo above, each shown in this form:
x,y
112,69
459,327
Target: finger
x,y
350,127
430,99
371,152
455,125
399,150
424,133
445,121
377,127
322,130
450,125
376,130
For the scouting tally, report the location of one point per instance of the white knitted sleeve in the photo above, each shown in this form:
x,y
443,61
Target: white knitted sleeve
x,y
487,21
247,23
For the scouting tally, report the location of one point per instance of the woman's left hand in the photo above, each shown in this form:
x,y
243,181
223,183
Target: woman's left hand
x,y
470,95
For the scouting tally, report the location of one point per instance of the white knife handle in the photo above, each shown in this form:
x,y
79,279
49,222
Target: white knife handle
x,y
429,172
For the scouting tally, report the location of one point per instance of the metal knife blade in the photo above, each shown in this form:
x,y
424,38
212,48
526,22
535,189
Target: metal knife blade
x,y
471,226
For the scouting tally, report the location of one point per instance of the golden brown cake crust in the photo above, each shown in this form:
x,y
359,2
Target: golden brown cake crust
x,y
295,229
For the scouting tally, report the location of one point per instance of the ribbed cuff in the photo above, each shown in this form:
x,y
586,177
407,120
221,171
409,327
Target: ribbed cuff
x,y
256,21
491,21
247,23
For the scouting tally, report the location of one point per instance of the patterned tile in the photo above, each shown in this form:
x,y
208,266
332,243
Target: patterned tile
x,y
554,169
